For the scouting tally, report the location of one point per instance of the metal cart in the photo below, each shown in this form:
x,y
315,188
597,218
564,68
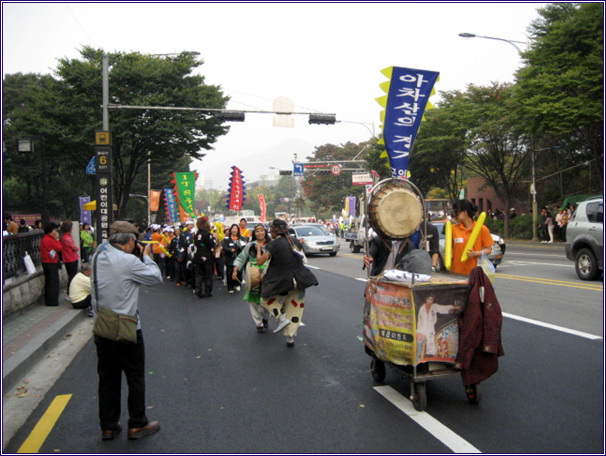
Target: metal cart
x,y
414,327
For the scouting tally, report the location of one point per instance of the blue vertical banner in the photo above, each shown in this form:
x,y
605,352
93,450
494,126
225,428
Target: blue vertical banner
x,y
85,216
352,205
408,91
172,211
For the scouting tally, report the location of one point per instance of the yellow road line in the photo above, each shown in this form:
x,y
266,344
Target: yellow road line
x,y
43,428
588,286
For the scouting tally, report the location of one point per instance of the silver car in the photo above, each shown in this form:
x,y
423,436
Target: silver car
x,y
315,240
498,247
585,239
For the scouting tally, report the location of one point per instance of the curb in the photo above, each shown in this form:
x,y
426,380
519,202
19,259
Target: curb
x,y
32,352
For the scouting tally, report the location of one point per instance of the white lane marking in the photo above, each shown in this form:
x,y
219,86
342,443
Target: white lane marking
x,y
554,327
361,280
427,422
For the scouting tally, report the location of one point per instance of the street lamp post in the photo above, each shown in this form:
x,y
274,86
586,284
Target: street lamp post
x,y
364,124
512,42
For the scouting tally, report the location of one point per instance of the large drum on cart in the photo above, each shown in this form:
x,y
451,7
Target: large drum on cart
x,y
395,209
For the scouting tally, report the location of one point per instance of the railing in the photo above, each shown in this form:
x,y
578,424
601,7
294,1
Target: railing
x,y
14,247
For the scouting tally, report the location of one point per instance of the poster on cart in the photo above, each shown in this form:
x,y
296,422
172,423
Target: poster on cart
x,y
410,326
389,322
437,322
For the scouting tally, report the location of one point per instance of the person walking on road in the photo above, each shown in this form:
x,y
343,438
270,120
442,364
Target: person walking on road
x,y
283,286
204,260
253,274
232,245
118,276
464,211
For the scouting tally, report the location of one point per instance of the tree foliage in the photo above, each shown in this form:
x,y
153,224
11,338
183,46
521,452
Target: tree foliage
x,y
65,110
561,88
439,152
326,192
497,149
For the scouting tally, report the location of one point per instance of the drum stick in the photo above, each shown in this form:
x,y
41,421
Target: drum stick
x,y
447,245
474,235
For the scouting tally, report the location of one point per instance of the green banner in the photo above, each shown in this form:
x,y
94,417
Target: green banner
x,y
186,186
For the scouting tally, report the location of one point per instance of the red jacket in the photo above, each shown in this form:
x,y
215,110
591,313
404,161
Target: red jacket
x,y
49,249
69,254
480,332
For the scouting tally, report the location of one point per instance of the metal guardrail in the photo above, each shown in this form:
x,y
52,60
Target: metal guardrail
x,y
14,247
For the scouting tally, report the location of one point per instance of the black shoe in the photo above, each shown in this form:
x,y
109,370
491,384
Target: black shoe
x,y
111,434
265,323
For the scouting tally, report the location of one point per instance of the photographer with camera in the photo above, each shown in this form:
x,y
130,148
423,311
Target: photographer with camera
x,y
117,276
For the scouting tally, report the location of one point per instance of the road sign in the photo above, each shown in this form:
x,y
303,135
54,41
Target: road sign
x,y
91,168
361,179
335,169
298,169
102,138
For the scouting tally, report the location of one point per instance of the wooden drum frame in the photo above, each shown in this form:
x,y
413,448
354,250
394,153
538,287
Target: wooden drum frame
x,y
395,209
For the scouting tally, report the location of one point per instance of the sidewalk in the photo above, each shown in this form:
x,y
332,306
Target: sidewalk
x,y
29,337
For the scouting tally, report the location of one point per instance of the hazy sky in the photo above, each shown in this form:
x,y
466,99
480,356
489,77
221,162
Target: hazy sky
x,y
323,57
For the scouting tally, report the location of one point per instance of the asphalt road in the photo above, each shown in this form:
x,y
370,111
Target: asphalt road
x,y
219,387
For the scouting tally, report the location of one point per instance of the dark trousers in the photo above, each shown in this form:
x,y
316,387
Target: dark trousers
x,y
113,358
231,283
84,304
204,278
178,267
220,266
161,262
51,283
71,269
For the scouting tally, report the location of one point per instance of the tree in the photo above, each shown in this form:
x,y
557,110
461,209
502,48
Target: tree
x,y
326,192
560,89
439,151
23,170
497,148
66,111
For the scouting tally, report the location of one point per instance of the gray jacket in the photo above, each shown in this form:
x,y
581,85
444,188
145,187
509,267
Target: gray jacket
x,y
119,276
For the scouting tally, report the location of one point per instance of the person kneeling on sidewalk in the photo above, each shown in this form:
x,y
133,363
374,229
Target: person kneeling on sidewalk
x,y
79,289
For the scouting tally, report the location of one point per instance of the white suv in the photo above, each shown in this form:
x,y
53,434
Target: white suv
x,y
585,239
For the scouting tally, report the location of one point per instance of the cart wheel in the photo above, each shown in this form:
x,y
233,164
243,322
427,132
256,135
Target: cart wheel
x,y
474,393
377,369
419,398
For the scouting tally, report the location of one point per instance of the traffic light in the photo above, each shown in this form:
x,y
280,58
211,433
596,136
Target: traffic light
x,y
231,116
286,172
326,119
